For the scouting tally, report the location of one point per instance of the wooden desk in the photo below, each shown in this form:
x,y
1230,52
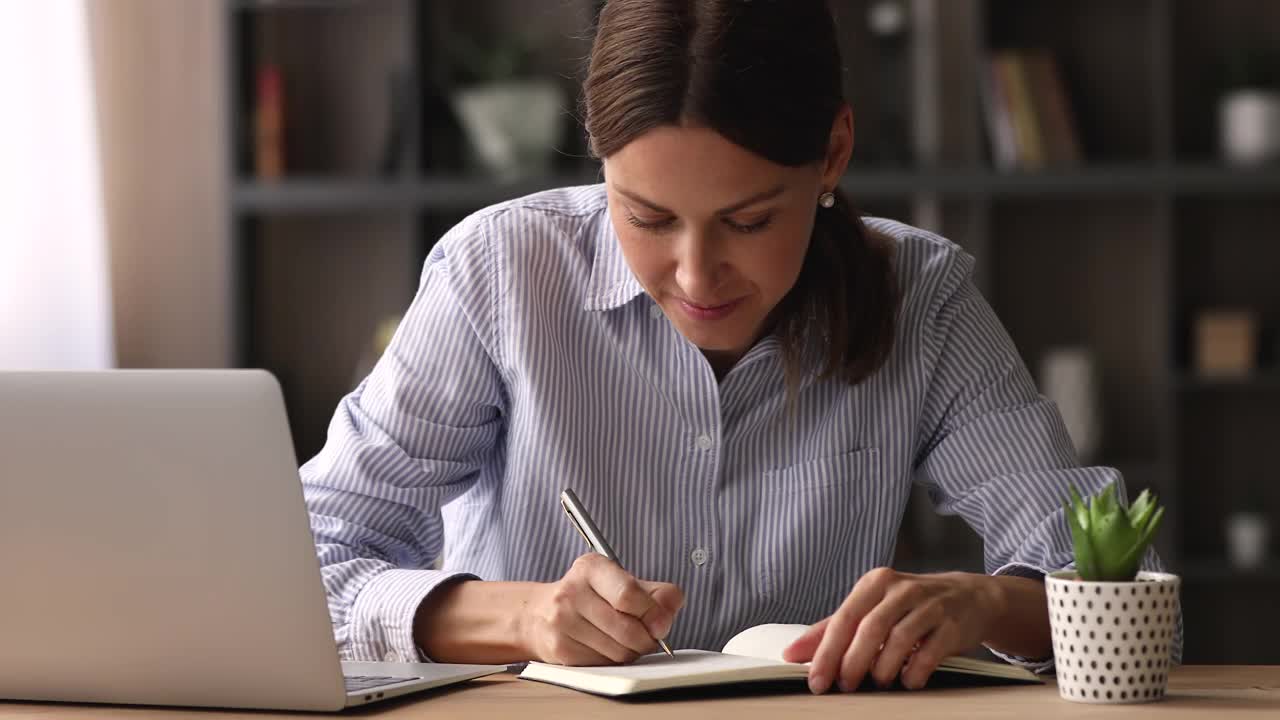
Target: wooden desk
x,y
1194,692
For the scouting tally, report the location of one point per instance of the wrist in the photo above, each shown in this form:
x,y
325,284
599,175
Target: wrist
x,y
993,595
1018,623
427,620
474,621
521,622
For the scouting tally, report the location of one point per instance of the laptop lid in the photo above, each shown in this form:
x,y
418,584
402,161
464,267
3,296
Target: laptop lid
x,y
155,546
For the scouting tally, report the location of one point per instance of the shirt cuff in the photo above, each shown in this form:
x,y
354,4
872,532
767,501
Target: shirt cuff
x,y
1035,665
381,623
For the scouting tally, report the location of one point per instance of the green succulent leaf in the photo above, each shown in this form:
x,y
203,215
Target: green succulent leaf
x,y
1140,506
1134,557
1079,509
1077,519
1110,539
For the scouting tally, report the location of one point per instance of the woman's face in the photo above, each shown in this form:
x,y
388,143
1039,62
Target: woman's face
x,y
715,233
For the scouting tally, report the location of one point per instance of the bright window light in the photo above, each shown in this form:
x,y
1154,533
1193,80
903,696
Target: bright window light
x,y
55,308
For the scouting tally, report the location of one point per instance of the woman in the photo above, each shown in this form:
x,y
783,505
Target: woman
x,y
739,376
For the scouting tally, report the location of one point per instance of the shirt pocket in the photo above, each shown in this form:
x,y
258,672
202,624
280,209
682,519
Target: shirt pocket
x,y
822,524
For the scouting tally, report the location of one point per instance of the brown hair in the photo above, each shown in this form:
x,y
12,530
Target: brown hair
x,y
765,74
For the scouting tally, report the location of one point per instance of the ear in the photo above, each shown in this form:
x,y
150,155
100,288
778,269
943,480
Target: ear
x,y
839,147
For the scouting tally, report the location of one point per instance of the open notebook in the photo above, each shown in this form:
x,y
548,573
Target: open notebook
x,y
753,655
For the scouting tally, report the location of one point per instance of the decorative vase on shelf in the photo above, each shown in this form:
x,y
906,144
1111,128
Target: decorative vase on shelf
x,y
1249,124
512,126
1248,535
511,105
1068,377
1249,105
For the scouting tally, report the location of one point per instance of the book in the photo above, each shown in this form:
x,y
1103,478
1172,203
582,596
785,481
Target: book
x,y
995,106
1012,72
1027,110
752,656
268,124
1052,109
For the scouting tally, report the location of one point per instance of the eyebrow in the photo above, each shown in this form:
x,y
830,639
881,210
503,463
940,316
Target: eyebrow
x,y
758,197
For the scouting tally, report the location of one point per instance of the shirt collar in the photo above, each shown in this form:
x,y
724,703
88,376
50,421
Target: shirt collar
x,y
612,283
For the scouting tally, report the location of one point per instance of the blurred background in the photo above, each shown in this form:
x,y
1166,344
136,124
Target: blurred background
x,y
210,183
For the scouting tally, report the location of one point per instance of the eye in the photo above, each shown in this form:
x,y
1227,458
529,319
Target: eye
x,y
651,226
750,227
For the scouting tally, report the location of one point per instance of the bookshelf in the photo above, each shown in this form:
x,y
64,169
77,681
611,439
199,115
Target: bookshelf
x,y
1116,253
318,194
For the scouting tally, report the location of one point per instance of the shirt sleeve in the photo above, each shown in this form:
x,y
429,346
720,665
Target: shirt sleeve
x,y
994,451
413,436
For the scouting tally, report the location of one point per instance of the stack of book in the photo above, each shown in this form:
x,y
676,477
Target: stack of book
x,y
1027,111
268,124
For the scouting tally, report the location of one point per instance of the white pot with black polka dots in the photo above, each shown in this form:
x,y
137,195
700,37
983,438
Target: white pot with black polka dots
x,y
1112,640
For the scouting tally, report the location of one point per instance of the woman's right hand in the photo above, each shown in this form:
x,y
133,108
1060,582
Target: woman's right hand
x,y
597,614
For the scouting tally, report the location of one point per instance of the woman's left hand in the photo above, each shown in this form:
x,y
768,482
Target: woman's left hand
x,y
895,622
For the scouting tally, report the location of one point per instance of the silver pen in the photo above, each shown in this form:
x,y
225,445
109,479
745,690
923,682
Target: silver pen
x,y
582,521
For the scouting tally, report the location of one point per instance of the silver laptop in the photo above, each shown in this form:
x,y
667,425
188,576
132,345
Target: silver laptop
x,y
155,549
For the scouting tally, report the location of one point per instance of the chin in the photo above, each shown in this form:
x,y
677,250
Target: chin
x,y
716,342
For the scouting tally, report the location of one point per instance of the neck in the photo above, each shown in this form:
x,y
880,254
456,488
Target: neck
x,y
721,361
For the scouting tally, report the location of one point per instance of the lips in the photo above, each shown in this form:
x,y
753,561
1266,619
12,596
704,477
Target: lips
x,y
709,312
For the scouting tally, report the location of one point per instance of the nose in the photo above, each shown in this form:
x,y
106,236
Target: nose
x,y
699,267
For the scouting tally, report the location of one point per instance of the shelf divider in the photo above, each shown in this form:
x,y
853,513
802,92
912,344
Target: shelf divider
x,y
461,193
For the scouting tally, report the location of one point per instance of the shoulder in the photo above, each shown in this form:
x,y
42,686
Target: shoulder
x,y
547,223
930,268
935,279
556,211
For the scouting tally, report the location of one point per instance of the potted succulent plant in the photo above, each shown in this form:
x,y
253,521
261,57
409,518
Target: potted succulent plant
x,y
512,114
1113,625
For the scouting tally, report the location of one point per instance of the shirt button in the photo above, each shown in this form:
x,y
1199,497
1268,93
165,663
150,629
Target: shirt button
x,y
699,557
705,442
391,656
655,311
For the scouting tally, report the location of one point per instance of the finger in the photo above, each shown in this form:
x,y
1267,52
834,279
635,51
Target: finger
x,y
668,600
866,594
925,660
619,588
871,637
665,594
620,627
802,649
903,639
567,650
585,632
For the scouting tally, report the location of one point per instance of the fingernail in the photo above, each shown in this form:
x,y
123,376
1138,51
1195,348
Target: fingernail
x,y
844,686
818,684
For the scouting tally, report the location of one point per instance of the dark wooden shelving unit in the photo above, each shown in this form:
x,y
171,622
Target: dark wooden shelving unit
x,y
1209,570
1117,254
452,193
1261,382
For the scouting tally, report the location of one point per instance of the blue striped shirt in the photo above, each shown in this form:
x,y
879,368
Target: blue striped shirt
x,y
531,359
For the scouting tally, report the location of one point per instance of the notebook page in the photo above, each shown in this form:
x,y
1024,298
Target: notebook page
x,y
686,662
769,640
657,671
765,641
988,667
